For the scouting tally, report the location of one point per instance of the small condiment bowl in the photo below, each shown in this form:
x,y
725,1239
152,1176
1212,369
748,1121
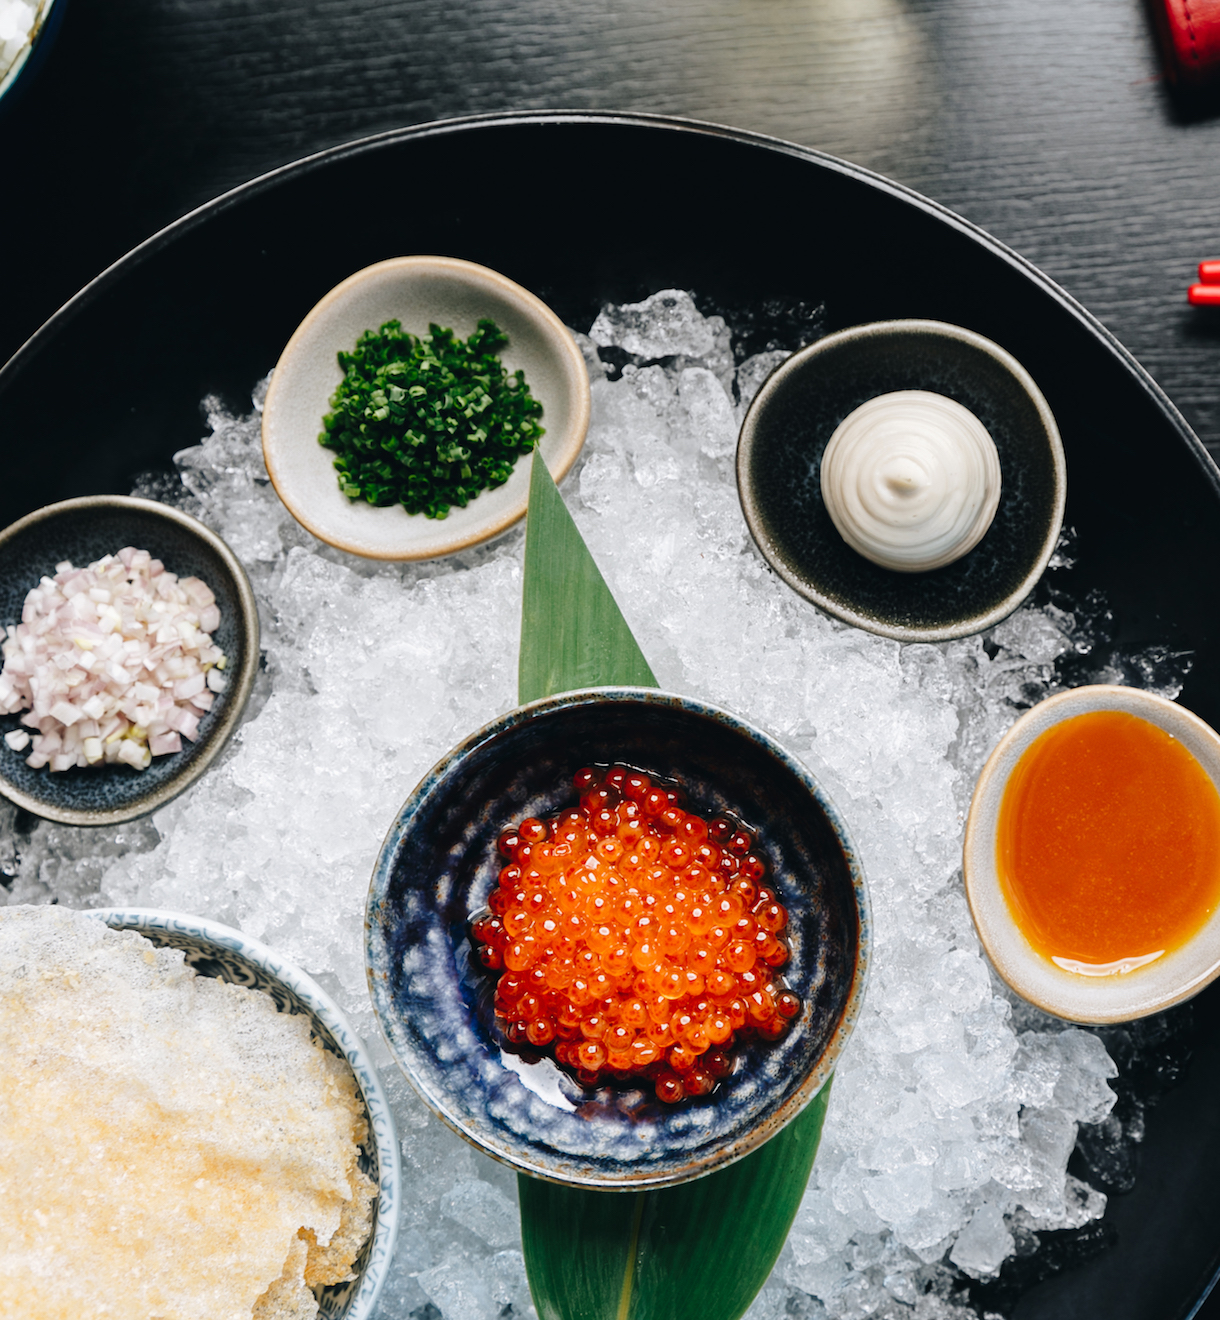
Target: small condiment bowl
x,y
84,530
1122,997
790,423
220,951
418,291
434,1000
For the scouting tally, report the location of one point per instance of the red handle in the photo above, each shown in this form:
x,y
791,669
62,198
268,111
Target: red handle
x,y
1190,36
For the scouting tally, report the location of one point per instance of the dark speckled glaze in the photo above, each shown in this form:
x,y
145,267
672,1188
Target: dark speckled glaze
x,y
82,531
779,459
439,863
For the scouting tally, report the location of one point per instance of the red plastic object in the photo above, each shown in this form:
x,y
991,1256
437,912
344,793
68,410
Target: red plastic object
x,y
1204,295
1190,38
1209,272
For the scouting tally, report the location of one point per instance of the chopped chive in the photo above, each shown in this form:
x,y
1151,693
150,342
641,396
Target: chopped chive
x,y
428,423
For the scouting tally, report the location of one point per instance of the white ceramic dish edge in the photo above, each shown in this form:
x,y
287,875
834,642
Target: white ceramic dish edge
x,y
380,1116
416,290
1175,976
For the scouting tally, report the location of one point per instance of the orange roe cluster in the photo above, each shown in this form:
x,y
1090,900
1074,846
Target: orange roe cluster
x,y
635,939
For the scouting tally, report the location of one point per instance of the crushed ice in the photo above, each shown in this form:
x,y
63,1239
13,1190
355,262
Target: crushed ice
x,y
954,1111
18,22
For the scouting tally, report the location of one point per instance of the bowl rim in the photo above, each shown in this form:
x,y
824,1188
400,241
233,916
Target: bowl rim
x,y
821,1071
1094,1000
874,330
382,1128
241,682
564,348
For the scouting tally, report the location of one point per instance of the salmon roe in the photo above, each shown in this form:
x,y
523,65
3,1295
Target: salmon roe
x,y
635,939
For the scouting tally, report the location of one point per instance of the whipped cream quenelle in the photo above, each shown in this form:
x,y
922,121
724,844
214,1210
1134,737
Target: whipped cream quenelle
x,y
911,480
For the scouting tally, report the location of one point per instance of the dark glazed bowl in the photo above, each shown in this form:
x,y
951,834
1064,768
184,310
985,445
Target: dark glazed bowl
x,y
779,459
228,955
439,863
83,530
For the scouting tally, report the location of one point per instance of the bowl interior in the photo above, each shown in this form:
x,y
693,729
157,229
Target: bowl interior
x,y
779,475
418,291
439,864
226,955
1176,975
82,531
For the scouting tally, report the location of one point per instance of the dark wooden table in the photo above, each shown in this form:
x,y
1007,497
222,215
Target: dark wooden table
x,y
1044,121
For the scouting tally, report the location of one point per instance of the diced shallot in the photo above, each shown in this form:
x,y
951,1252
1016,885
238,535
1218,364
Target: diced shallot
x,y
113,662
161,744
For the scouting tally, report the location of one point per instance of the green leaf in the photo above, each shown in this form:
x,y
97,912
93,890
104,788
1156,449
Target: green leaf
x,y
702,1250
699,1251
573,634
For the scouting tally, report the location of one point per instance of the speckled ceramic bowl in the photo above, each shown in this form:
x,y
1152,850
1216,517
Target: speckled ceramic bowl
x,y
83,530
1122,996
220,951
779,458
434,1001
416,291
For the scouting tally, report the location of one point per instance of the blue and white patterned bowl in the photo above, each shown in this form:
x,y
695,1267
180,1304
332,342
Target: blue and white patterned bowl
x,y
220,951
439,863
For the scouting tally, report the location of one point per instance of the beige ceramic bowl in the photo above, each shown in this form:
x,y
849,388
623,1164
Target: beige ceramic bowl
x,y
1115,998
416,291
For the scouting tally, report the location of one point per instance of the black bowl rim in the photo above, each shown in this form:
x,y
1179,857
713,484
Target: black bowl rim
x,y
376,953
676,127
803,586
242,683
44,336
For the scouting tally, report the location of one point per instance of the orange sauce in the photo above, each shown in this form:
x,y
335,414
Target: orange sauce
x,y
1108,842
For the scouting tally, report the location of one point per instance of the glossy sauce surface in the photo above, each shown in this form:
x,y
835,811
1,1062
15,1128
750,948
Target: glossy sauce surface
x,y
1108,843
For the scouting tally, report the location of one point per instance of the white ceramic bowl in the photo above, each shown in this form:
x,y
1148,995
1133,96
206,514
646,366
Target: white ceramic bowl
x,y
221,951
416,291
1121,997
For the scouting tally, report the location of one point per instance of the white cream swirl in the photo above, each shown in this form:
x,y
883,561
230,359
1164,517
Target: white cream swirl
x,y
911,480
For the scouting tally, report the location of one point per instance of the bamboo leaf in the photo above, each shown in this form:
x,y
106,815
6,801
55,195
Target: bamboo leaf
x,y
702,1250
573,634
699,1251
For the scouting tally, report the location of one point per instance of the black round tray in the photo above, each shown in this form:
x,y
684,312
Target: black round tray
x,y
585,208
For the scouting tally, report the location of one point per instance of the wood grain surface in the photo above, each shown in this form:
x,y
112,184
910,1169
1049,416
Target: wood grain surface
x,y
1044,121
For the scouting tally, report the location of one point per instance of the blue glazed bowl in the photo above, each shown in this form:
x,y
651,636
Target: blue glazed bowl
x,y
434,1000
83,530
220,951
